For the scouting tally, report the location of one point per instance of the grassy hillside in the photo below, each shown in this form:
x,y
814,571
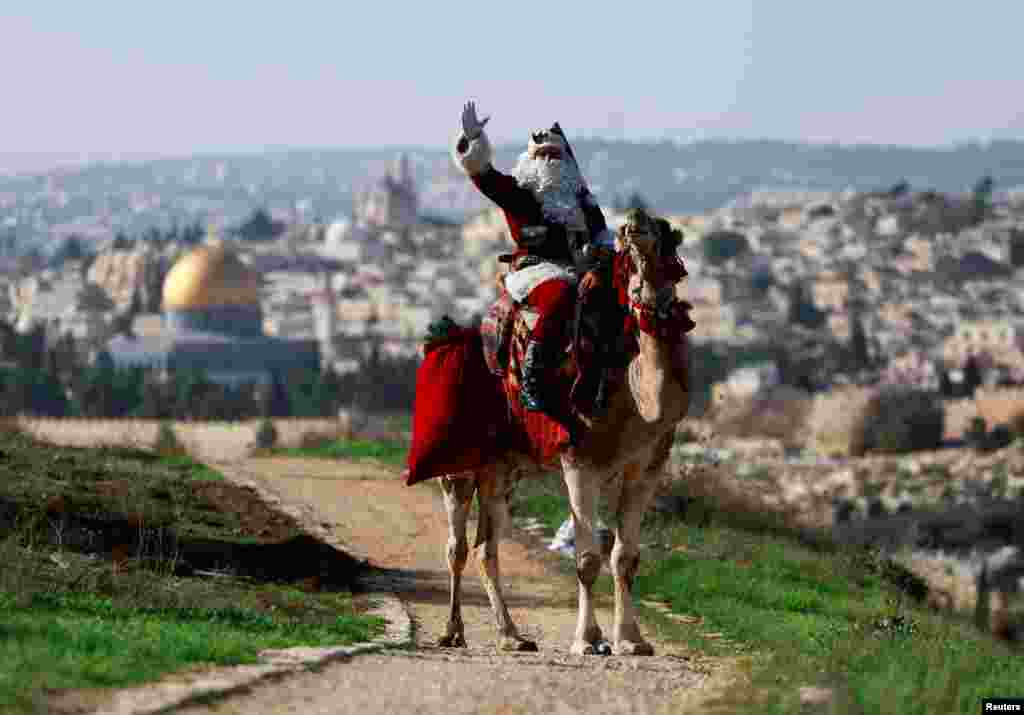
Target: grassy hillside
x,y
121,565
799,614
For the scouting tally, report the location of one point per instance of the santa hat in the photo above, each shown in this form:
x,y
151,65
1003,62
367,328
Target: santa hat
x,y
554,135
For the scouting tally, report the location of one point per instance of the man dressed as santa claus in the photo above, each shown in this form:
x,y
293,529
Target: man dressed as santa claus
x,y
559,232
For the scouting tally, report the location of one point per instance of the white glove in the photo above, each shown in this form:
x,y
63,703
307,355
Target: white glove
x,y
471,126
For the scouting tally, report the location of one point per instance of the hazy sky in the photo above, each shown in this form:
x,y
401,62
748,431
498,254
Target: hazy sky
x,y
220,75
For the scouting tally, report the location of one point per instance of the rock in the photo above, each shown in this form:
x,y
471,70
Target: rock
x,y
123,273
876,508
888,226
670,505
813,696
1000,576
843,510
1004,570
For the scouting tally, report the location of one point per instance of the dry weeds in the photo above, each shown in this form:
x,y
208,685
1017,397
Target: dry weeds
x,y
205,441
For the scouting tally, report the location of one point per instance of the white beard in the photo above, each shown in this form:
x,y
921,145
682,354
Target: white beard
x,y
556,184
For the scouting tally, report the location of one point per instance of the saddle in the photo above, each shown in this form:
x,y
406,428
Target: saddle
x,y
505,330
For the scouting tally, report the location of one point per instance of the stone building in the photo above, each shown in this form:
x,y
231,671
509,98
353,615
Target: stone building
x,y
998,340
212,321
390,202
831,291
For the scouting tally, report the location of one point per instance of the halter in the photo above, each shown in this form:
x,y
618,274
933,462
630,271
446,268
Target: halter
x,y
668,317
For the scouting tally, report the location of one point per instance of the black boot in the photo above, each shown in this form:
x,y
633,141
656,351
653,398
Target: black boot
x,y
531,381
601,398
607,358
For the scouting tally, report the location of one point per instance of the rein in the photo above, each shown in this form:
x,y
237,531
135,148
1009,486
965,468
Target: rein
x,y
664,320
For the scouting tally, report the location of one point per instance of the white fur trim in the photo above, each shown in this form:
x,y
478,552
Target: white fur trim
x,y
520,283
477,156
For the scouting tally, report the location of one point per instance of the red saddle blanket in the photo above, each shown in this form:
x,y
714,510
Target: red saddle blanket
x,y
465,416
459,418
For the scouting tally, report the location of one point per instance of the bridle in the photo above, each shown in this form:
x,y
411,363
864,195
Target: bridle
x,y
667,314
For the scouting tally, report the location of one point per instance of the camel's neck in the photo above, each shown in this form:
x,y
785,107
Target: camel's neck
x,y
655,372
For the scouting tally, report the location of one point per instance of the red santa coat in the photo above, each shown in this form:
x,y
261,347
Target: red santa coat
x,y
523,212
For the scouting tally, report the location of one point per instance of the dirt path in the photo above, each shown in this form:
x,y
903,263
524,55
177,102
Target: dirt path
x,y
402,530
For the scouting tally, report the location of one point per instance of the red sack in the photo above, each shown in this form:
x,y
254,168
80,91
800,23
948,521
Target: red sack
x,y
459,410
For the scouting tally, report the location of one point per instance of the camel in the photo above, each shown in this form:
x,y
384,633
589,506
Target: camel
x,y
623,453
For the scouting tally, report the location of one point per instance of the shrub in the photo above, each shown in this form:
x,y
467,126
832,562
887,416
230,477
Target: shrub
x,y
778,413
266,434
1017,424
167,441
900,420
317,440
974,435
999,438
720,246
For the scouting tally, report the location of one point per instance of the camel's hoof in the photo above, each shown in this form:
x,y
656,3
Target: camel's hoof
x,y
634,648
452,640
511,644
595,648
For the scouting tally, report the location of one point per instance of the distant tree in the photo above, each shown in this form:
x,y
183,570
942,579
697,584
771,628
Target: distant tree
x,y
8,341
633,200
154,402
30,262
65,353
192,234
901,188
122,242
945,384
761,279
1017,248
899,420
972,376
983,197
276,403
31,391
71,249
259,227
191,392
719,246
859,343
802,310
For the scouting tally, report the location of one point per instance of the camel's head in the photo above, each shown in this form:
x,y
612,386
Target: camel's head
x,y
652,244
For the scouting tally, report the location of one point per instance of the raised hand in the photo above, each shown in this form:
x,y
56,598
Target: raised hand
x,y
471,126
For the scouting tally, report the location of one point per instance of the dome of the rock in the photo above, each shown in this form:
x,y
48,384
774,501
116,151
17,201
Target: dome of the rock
x,y
208,277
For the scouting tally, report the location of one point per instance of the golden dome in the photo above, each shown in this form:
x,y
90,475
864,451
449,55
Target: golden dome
x,y
208,276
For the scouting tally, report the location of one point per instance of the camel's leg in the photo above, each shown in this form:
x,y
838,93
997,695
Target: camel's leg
x,y
582,488
457,496
492,494
638,486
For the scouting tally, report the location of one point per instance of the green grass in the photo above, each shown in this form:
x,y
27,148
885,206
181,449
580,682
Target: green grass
x,y
70,620
191,469
802,616
390,452
542,499
57,642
